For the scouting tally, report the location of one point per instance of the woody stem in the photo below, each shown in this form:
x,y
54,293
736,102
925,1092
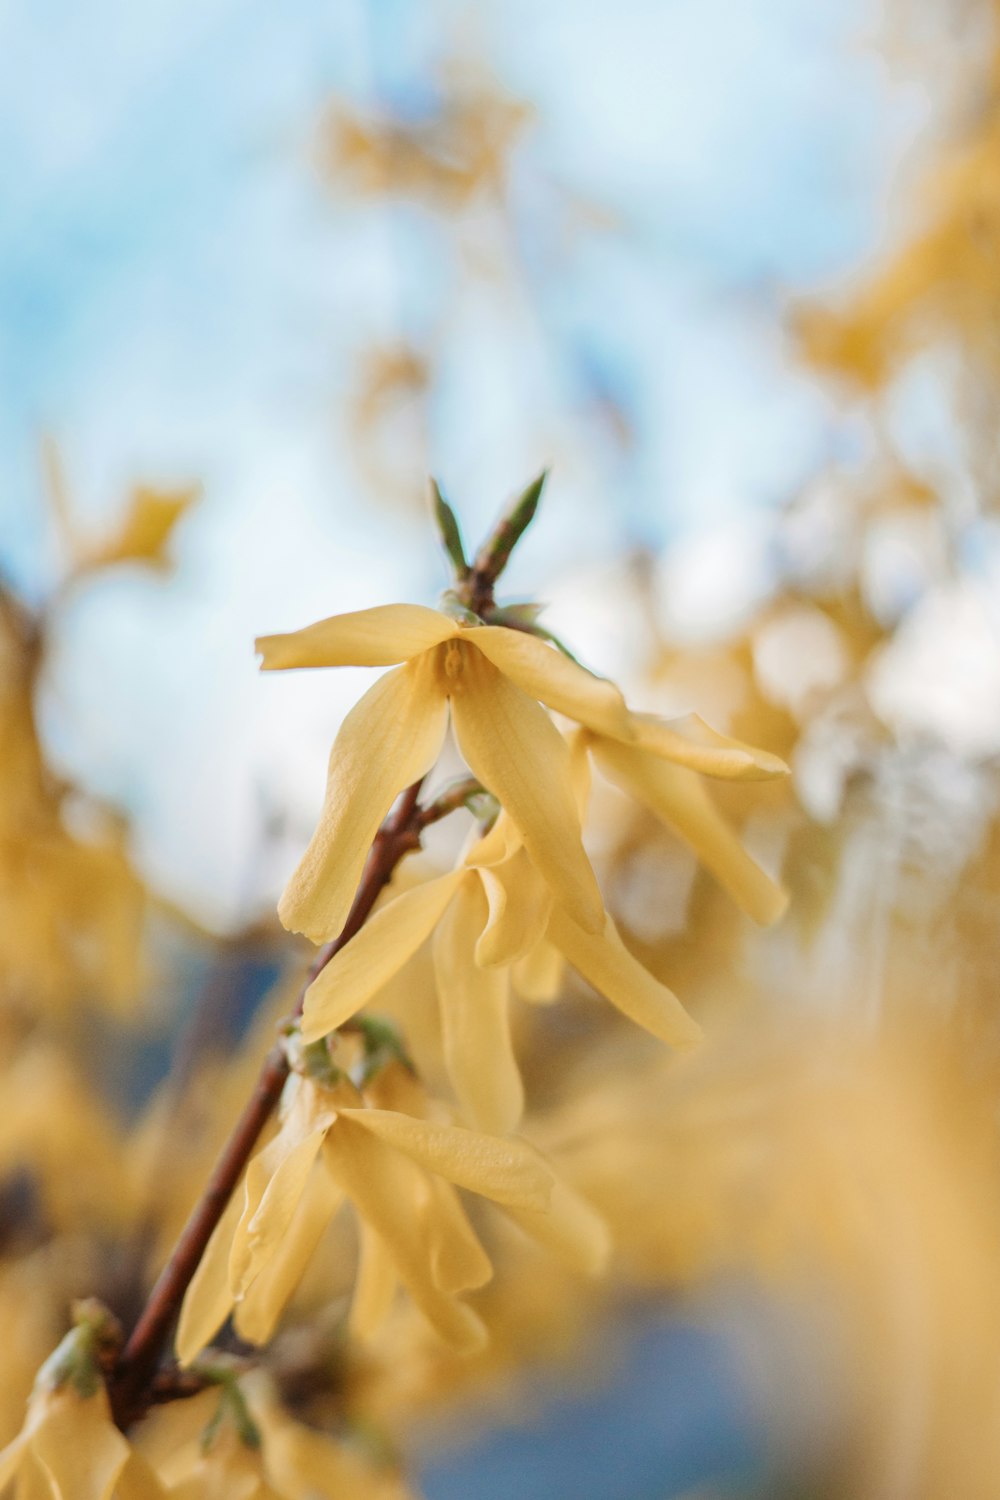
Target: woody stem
x,y
131,1387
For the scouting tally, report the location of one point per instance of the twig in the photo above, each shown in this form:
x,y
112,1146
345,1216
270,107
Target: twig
x,y
131,1389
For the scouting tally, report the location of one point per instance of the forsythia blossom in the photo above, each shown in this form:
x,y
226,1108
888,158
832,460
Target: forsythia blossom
x,y
400,1172
494,679
487,915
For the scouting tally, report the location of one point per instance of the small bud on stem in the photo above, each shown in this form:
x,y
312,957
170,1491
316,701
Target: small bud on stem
x,y
451,536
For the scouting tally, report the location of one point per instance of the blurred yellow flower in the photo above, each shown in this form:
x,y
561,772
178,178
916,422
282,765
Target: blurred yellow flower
x,y
69,1446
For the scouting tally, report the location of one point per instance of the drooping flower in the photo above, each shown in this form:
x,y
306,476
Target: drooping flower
x,y
69,1446
400,1172
495,680
487,916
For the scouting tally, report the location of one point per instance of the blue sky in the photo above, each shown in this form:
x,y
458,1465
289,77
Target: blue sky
x,y
182,297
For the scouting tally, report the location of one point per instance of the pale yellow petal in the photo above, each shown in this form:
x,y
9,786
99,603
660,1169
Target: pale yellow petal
x,y
607,964
208,1300
458,1260
475,1021
545,673
519,904
378,637
680,800
375,1283
11,1458
385,943
256,1314
690,742
276,1179
518,754
389,740
509,1171
386,1188
571,1228
538,976
138,1481
579,742
80,1448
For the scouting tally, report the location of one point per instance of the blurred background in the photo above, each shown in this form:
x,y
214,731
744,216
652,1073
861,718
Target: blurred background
x,y
729,269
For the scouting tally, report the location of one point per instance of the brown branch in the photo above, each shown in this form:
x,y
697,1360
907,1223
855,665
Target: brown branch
x,y
132,1387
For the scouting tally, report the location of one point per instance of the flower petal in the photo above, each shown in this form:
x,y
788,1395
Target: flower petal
x,y
607,964
538,975
384,944
458,1260
137,1481
79,1447
545,673
680,800
509,1171
276,1179
572,1228
690,742
208,1300
519,904
475,1025
256,1314
519,755
391,738
11,1459
378,637
386,1190
374,1285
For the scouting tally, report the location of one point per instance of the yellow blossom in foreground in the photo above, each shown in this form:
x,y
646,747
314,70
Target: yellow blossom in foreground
x,y
487,916
400,1172
495,680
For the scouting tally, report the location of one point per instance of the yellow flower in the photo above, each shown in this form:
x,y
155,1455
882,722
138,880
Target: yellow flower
x,y
662,768
495,680
400,1172
69,1448
488,916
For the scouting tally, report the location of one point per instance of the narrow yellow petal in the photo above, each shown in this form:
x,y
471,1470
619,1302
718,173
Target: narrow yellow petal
x,y
607,964
519,905
519,755
138,1481
257,1312
386,1190
571,1228
538,976
458,1260
378,637
690,742
80,1448
475,1024
375,1284
208,1301
11,1459
375,954
509,1171
545,673
390,739
276,1179
680,800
